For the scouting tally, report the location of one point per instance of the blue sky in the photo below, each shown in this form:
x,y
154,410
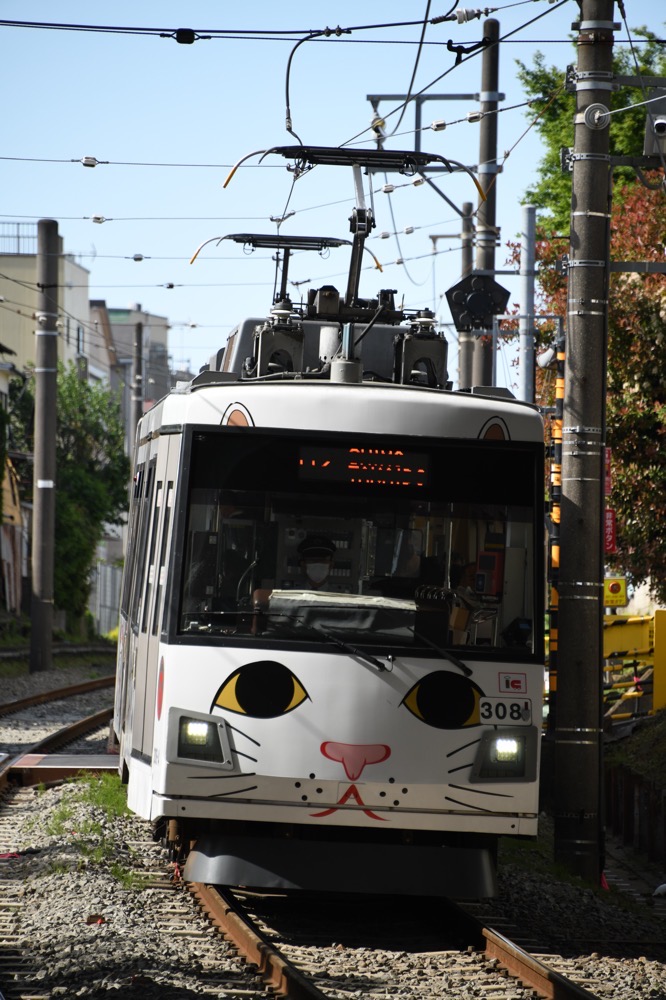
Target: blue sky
x,y
145,103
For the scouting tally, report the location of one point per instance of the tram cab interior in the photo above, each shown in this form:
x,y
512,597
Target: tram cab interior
x,y
397,569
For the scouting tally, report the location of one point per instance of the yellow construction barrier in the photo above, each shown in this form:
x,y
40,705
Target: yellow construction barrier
x,y
628,645
628,635
659,690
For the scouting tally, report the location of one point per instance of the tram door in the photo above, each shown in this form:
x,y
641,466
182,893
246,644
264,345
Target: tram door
x,y
151,607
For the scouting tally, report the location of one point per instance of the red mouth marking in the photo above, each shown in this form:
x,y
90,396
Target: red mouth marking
x,y
351,793
354,757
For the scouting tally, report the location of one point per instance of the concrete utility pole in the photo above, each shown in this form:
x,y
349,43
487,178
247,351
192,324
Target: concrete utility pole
x,y
578,816
466,339
43,490
527,332
486,229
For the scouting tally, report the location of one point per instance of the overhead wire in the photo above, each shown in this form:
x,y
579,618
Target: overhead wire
x,y
460,61
312,36
28,312
188,35
661,152
417,60
206,33
397,241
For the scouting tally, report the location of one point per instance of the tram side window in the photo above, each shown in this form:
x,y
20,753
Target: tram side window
x,y
142,538
161,569
130,559
152,551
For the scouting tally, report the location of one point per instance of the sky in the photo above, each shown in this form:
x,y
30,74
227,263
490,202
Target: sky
x,y
166,121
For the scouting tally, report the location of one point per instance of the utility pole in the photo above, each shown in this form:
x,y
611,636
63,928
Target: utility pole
x,y
466,339
486,230
527,333
43,490
578,818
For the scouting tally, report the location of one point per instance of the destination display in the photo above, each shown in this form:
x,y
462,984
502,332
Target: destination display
x,y
384,467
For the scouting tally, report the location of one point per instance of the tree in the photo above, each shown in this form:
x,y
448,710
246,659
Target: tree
x,y
91,479
636,400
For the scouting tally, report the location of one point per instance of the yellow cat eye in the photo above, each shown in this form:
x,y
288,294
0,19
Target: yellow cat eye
x,y
264,689
445,701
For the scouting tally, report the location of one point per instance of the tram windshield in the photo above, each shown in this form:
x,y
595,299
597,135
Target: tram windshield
x,y
375,543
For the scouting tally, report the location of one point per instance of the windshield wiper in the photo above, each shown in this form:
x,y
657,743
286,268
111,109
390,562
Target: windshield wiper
x,y
342,643
443,652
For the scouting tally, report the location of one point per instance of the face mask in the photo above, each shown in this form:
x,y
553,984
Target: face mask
x,y
317,572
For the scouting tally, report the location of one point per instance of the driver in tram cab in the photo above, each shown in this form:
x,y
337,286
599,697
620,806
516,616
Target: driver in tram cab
x,y
315,560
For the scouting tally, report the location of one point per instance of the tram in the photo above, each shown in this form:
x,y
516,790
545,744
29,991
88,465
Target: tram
x,y
330,663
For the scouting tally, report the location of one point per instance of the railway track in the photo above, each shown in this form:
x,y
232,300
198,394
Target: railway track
x,y
399,957
413,958
67,931
60,649
56,694
295,946
15,741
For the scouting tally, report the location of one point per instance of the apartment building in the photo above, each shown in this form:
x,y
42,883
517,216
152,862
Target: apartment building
x,y
101,340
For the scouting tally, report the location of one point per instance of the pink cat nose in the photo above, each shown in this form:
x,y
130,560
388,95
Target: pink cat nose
x,y
354,756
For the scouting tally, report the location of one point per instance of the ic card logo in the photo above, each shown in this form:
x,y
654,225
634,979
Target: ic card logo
x,y
513,683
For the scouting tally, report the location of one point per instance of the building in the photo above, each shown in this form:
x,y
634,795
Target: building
x,y
136,337
103,342
19,294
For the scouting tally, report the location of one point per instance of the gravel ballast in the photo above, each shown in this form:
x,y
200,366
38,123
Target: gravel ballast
x,y
87,892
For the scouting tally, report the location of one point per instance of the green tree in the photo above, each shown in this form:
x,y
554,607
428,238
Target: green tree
x,y
636,400
553,107
92,474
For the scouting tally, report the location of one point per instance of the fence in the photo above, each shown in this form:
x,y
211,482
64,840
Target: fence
x,y
105,597
18,237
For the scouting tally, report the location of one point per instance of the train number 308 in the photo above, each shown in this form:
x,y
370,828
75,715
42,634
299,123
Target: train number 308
x,y
499,711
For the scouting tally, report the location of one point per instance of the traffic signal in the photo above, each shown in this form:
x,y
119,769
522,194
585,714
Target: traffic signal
x,y
475,300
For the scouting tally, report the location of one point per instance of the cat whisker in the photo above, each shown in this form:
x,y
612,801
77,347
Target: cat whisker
x,y
465,746
481,791
240,732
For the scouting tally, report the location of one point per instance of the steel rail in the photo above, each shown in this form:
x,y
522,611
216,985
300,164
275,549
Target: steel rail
x,y
530,971
286,980
59,649
276,972
54,742
9,707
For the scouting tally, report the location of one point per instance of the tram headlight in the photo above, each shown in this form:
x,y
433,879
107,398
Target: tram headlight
x,y
193,736
509,755
199,740
506,750
195,733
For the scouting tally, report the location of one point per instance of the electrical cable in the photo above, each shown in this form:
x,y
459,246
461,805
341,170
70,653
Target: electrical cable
x,y
459,62
397,241
313,36
660,150
206,33
416,61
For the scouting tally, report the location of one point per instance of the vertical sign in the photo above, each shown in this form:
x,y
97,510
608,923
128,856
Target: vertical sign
x,y
610,545
608,480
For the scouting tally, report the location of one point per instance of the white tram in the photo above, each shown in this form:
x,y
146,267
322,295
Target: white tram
x,y
331,665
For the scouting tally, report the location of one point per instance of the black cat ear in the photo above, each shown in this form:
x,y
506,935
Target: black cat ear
x,y
263,689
